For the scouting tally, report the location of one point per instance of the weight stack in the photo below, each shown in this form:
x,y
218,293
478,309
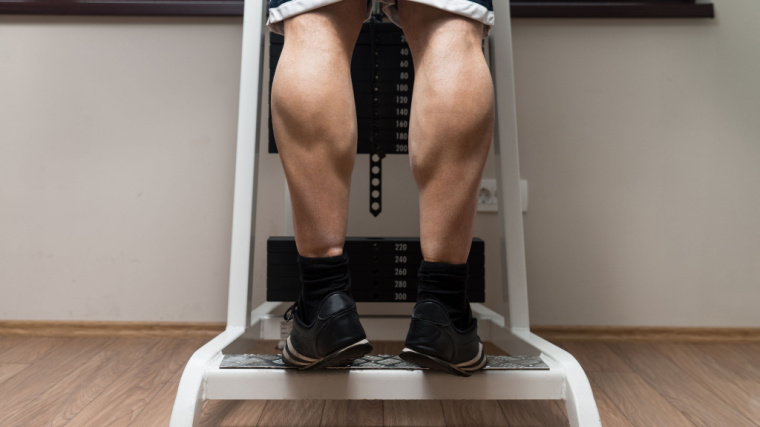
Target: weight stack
x,y
382,269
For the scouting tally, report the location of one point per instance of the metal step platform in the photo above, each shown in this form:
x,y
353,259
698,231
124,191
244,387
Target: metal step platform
x,y
204,377
380,361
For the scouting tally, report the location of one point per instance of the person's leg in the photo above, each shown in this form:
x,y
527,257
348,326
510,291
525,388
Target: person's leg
x,y
450,133
314,121
451,126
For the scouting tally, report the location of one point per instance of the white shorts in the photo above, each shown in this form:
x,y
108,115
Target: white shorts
x,y
478,10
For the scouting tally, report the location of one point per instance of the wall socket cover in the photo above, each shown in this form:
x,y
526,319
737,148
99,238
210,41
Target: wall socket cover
x,y
488,196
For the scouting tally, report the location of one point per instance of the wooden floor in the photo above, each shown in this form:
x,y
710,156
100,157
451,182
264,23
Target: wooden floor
x,y
133,381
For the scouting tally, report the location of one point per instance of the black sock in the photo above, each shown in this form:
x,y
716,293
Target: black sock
x,y
447,284
319,278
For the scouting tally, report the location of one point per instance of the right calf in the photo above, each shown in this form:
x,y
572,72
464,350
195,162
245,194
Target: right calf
x,y
314,122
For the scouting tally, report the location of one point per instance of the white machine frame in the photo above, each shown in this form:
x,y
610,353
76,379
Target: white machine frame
x,y
204,380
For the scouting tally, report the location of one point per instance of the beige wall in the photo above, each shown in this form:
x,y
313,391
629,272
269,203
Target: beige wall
x,y
638,139
641,144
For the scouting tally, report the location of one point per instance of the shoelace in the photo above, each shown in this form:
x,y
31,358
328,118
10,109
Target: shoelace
x,y
290,313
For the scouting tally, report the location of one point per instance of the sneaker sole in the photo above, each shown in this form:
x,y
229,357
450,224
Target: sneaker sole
x,y
342,357
464,369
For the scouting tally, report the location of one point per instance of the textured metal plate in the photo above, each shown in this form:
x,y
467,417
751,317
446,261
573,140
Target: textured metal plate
x,y
521,363
382,361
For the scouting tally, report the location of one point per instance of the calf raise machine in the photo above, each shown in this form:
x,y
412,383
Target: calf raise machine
x,y
205,378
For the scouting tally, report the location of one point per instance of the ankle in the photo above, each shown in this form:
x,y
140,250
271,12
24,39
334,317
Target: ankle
x,y
321,277
446,284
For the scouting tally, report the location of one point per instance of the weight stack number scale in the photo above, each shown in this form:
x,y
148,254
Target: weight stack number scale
x,y
382,269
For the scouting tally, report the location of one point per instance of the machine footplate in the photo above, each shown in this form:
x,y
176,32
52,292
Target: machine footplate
x,y
382,361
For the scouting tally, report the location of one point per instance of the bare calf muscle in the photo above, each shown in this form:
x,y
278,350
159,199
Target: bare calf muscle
x,y
451,126
314,121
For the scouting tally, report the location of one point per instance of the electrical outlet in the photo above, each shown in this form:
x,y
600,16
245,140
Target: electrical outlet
x,y
487,197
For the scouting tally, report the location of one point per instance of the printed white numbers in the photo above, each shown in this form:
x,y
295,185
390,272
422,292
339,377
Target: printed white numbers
x,y
398,296
400,247
400,284
400,272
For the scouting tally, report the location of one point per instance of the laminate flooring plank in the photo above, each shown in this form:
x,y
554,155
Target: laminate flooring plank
x,y
595,356
295,413
125,398
399,413
608,410
741,359
23,388
737,358
8,370
733,389
231,413
561,406
213,411
348,413
641,404
698,403
27,349
473,413
61,402
533,413
159,410
751,352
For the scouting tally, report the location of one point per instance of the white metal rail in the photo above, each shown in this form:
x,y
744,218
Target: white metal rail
x,y
203,379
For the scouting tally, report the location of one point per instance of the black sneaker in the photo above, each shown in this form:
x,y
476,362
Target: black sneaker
x,y
334,338
433,342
